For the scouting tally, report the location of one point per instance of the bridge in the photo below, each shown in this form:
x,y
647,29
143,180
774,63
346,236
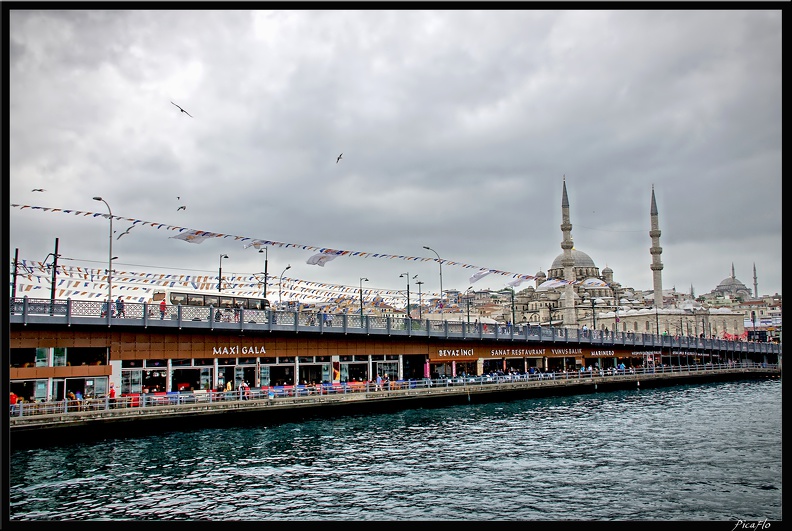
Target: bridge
x,y
58,346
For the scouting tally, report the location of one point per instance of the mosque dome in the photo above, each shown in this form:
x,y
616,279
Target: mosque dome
x,y
607,270
731,286
581,260
730,283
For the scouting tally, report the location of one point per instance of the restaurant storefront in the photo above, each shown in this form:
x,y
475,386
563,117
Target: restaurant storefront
x,y
476,361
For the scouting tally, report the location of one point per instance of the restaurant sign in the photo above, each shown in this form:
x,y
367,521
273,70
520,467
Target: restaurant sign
x,y
239,350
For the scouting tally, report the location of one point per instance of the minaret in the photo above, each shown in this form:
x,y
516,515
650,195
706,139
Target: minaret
x,y
655,250
567,261
756,283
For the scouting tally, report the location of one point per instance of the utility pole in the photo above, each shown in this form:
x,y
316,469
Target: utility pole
x,y
16,267
54,275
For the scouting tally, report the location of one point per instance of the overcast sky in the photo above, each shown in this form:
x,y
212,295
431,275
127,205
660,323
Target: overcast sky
x,y
457,130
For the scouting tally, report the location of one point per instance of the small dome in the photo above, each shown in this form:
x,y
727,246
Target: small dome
x,y
607,270
541,274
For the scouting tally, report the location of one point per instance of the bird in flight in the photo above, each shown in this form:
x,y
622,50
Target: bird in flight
x,y
339,158
181,208
182,110
38,190
125,232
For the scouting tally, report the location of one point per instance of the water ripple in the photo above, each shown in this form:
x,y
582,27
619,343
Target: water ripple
x,y
709,452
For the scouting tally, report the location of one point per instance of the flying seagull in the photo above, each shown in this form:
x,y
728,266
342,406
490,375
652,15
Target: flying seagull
x,y
181,208
38,190
125,232
339,158
182,110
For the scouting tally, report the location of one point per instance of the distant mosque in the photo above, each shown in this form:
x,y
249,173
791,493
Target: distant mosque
x,y
574,293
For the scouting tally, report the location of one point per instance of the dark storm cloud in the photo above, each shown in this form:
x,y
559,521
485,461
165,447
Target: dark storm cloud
x,y
456,134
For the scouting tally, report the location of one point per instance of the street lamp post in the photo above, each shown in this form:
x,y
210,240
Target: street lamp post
x,y
13,285
467,300
264,250
514,315
54,266
109,255
419,297
440,262
408,292
280,285
362,280
657,321
593,317
753,318
220,273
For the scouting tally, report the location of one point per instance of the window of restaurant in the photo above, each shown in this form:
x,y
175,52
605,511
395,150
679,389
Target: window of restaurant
x,y
42,357
466,368
40,390
245,371
26,389
225,375
282,374
22,357
57,388
389,368
316,372
264,376
59,357
155,381
354,372
96,387
86,356
131,381
206,374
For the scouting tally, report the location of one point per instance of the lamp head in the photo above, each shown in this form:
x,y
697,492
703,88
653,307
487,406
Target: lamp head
x,y
97,198
288,267
223,256
426,247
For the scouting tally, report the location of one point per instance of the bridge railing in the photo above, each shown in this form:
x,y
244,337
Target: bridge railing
x,y
70,311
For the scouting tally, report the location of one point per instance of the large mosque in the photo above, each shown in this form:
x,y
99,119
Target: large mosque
x,y
574,292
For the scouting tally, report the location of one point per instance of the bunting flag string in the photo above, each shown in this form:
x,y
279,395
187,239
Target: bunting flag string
x,y
241,285
321,255
77,276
